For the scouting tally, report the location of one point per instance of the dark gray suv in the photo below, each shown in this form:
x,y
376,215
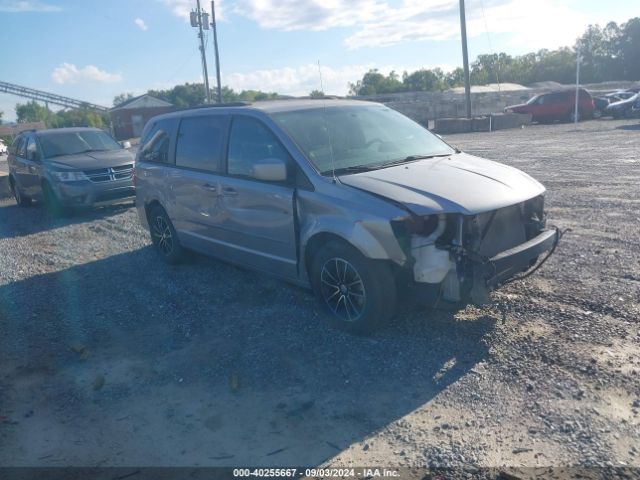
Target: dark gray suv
x,y
351,198
69,167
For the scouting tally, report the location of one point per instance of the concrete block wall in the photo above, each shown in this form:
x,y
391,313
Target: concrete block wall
x,y
429,106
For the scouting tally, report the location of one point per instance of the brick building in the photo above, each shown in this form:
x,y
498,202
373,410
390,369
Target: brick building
x,y
128,118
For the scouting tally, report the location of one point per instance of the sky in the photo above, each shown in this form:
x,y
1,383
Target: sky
x,y
94,50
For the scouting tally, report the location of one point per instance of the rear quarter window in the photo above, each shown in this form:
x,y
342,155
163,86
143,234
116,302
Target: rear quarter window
x,y
21,147
155,145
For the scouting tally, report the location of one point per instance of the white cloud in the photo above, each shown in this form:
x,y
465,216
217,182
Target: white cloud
x,y
180,8
69,73
18,6
377,23
301,80
440,20
141,25
310,14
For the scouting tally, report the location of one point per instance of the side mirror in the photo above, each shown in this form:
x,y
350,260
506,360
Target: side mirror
x,y
270,170
126,144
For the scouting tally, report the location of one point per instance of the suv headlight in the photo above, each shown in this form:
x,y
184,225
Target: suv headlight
x,y
69,176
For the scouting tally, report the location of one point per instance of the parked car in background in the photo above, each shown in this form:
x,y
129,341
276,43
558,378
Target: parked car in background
x,y
622,108
350,198
3,148
620,95
599,106
69,167
556,106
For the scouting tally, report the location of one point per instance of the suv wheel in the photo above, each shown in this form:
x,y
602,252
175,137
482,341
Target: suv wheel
x,y
21,200
164,236
357,294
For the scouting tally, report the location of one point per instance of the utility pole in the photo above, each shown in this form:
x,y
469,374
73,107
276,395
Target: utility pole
x,y
465,59
197,21
215,47
578,59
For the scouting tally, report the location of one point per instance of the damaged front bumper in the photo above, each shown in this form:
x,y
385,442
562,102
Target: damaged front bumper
x,y
453,264
497,270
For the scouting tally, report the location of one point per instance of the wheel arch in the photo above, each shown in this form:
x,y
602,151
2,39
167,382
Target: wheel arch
x,y
357,237
149,206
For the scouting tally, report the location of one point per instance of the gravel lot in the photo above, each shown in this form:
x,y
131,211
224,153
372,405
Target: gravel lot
x,y
109,357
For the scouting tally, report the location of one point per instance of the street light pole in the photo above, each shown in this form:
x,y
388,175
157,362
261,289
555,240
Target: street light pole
x,y
465,60
203,53
215,46
575,112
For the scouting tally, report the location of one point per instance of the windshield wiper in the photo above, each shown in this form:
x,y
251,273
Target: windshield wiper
x,y
410,158
352,169
377,166
413,158
89,150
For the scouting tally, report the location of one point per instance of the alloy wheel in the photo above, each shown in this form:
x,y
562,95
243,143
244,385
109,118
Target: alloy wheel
x,y
162,233
342,289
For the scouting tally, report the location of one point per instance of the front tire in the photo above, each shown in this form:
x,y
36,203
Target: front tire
x,y
21,199
164,236
356,294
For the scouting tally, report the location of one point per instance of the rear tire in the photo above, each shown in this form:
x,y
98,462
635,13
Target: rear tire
x,y
164,236
21,199
356,294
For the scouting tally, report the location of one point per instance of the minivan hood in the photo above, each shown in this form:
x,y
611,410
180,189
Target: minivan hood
x,y
460,183
91,160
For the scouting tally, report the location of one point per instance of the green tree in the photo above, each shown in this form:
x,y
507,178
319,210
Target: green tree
x,y
316,94
123,97
454,78
375,82
424,80
79,117
182,96
32,111
1,113
629,48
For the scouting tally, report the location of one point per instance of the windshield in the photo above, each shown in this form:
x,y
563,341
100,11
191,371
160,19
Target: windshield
x,y
70,143
358,136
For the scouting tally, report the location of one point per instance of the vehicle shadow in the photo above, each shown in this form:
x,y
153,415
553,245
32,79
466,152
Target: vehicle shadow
x,y
20,221
127,361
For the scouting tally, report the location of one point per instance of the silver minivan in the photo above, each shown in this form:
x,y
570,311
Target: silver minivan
x,y
350,198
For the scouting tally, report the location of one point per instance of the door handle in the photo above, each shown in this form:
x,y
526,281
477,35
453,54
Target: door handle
x,y
229,191
210,188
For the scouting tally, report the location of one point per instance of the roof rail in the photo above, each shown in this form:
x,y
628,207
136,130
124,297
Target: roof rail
x,y
214,105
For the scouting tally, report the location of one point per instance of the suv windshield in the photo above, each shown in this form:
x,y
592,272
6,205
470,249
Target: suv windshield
x,y
70,143
352,138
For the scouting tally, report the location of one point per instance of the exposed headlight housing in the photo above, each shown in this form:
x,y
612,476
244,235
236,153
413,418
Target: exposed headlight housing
x,y
69,176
